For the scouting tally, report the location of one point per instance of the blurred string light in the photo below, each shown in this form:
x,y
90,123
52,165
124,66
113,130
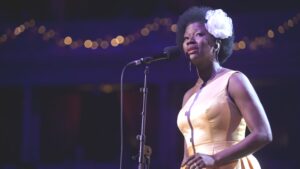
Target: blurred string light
x,y
68,41
104,88
104,43
266,40
17,31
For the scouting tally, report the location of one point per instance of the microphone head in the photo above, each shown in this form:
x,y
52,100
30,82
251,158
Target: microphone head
x,y
172,52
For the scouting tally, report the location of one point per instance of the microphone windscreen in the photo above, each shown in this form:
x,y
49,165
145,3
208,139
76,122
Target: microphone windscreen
x,y
172,52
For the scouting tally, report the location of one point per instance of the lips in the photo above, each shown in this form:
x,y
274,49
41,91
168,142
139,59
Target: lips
x,y
192,50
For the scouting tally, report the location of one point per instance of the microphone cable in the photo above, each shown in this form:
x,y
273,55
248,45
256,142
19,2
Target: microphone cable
x,y
121,116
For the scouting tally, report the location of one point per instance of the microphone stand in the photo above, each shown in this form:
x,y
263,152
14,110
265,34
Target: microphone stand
x,y
144,151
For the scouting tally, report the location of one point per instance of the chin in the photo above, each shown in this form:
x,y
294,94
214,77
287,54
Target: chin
x,y
196,60
194,57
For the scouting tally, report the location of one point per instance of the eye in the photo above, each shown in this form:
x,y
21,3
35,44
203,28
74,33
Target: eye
x,y
200,34
185,38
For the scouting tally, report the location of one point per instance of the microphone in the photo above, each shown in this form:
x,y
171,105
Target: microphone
x,y
169,53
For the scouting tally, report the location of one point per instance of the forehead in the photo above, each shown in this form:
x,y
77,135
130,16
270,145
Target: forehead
x,y
194,27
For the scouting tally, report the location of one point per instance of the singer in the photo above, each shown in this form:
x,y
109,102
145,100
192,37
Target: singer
x,y
222,103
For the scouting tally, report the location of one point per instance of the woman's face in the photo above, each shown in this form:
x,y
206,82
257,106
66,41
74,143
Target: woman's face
x,y
198,44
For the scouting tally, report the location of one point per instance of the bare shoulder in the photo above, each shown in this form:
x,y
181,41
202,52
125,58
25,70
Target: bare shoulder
x,y
238,78
239,85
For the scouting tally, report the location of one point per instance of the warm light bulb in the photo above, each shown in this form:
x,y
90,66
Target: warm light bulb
x,y
174,28
42,29
17,31
22,27
114,42
281,29
88,43
120,39
94,45
270,34
68,40
290,23
242,44
145,31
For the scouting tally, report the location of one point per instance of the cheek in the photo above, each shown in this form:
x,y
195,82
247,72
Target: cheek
x,y
184,47
204,44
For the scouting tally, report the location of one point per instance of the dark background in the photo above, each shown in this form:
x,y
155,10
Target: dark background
x,y
60,105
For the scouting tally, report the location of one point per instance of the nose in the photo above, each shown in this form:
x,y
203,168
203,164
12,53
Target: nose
x,y
191,40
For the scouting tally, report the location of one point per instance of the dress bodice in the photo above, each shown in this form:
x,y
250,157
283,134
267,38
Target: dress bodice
x,y
210,121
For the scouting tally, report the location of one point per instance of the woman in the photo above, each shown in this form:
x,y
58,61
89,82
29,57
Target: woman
x,y
217,109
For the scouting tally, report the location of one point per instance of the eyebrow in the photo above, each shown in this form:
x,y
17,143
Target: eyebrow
x,y
197,31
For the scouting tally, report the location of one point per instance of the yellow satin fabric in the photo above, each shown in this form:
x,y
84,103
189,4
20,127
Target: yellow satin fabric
x,y
249,162
216,121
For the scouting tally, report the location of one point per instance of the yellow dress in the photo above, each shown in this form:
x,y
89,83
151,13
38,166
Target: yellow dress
x,y
211,122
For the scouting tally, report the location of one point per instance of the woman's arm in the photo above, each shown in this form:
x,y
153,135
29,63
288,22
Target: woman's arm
x,y
185,155
246,99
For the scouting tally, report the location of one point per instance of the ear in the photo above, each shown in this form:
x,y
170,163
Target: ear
x,y
217,45
217,49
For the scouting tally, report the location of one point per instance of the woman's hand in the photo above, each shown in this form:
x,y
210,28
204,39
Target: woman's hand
x,y
199,161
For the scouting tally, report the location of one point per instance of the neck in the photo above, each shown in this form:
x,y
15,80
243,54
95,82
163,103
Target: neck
x,y
208,72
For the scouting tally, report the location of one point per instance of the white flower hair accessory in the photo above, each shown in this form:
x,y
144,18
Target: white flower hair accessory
x,y
218,24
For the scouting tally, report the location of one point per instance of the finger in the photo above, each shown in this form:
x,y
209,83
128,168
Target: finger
x,y
184,162
200,163
192,161
189,167
187,160
194,166
195,158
